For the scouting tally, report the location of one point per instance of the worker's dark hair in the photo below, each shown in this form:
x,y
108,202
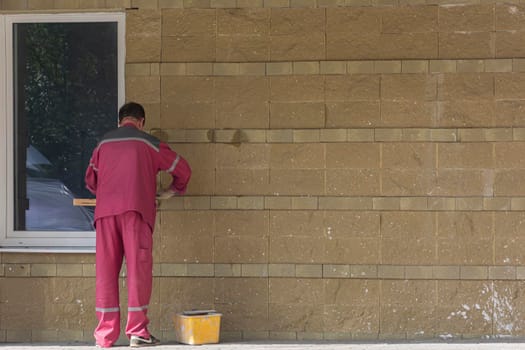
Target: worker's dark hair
x,y
131,109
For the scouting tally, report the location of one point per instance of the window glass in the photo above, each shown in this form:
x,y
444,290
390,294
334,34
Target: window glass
x,y
65,97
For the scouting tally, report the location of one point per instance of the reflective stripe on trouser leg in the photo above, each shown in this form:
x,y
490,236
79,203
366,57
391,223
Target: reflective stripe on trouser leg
x,y
109,254
107,309
137,308
138,243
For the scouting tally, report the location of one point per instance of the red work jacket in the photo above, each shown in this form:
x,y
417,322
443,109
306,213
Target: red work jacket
x,y
123,169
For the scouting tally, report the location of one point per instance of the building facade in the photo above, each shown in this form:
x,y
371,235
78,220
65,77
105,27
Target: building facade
x,y
358,171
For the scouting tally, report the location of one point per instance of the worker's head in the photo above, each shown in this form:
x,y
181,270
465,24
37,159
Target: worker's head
x,y
133,112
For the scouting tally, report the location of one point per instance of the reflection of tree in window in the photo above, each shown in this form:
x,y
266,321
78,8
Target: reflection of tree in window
x,y
68,94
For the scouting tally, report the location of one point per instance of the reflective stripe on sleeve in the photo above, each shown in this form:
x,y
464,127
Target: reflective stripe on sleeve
x,y
175,162
107,309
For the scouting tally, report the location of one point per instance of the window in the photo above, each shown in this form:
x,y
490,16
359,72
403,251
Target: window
x,y
62,82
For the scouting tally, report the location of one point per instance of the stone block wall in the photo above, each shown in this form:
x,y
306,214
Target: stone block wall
x,y
358,171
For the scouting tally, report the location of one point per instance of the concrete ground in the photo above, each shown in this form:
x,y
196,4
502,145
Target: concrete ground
x,y
472,345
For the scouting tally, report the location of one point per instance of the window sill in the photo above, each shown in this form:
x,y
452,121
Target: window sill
x,y
57,250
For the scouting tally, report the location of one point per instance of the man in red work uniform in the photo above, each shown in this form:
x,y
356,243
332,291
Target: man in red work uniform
x,y
122,174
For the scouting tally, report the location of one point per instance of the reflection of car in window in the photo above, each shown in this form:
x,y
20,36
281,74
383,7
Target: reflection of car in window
x,y
50,201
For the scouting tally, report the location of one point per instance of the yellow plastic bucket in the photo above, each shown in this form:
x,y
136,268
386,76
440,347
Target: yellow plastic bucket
x,y
197,327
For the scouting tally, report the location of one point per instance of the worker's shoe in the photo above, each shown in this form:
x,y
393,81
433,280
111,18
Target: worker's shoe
x,y
98,346
137,342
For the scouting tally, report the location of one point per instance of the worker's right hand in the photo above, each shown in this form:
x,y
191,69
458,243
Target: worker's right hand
x,y
166,194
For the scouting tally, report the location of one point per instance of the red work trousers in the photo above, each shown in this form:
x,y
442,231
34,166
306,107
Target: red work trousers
x,y
125,235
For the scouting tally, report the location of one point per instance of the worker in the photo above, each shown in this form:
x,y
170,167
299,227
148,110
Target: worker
x,y
122,175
